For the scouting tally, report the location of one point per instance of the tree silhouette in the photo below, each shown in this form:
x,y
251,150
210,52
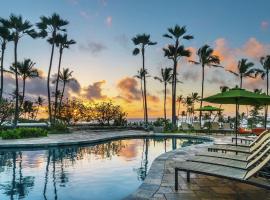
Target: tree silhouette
x,y
18,28
143,40
5,37
166,76
174,52
206,58
51,26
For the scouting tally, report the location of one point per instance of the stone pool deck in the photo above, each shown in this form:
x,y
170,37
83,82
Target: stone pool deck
x,y
159,183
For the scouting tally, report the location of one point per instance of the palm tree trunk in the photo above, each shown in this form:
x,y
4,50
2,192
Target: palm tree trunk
x,y
174,94
143,99
57,81
48,80
145,92
61,98
2,70
23,91
165,97
266,106
178,111
16,116
202,94
241,81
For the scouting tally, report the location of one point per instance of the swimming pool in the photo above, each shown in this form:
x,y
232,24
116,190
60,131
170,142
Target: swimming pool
x,y
109,170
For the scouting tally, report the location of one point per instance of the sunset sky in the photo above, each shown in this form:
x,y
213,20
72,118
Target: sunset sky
x,y
102,59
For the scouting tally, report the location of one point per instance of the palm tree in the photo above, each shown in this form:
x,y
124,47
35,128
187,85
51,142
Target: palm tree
x,y
206,58
195,98
39,103
166,76
26,70
5,37
179,100
18,28
51,25
62,43
143,40
140,75
65,77
244,69
265,62
174,52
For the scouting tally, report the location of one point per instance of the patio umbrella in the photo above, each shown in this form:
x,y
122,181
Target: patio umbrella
x,y
238,96
209,109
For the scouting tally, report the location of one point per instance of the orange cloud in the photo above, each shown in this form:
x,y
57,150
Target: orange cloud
x,y
254,49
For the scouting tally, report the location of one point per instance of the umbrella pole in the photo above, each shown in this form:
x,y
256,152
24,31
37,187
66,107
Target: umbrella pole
x,y
236,121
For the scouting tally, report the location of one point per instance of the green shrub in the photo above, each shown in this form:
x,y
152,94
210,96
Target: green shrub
x,y
58,128
23,133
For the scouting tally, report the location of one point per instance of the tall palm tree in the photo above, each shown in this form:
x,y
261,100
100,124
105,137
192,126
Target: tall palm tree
x,y
206,58
179,100
265,62
166,76
51,26
143,40
39,103
27,71
244,69
18,28
5,37
65,77
174,52
140,75
62,43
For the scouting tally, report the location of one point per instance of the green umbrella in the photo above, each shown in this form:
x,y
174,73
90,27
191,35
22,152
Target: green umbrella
x,y
209,109
239,96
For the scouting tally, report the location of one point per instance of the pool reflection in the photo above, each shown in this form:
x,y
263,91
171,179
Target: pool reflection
x,y
114,169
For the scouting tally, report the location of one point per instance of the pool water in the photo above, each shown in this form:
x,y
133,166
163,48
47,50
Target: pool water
x,y
111,170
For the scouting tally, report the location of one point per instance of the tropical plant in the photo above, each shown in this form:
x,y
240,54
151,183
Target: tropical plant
x,y
65,77
265,62
140,75
39,102
179,100
26,70
51,26
165,78
244,69
206,58
5,37
174,52
62,42
143,40
18,28
6,110
224,88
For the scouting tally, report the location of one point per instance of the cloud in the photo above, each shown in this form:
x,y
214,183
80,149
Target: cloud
x,y
74,86
129,91
264,25
190,74
94,91
73,2
93,47
103,2
108,21
254,49
128,88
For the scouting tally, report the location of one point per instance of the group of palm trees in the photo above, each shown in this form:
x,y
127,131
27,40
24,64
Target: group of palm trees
x,y
206,57
52,28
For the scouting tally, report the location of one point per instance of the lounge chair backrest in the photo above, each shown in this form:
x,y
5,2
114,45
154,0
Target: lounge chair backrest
x,y
258,157
227,126
259,137
214,126
196,126
184,126
260,142
258,167
255,153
